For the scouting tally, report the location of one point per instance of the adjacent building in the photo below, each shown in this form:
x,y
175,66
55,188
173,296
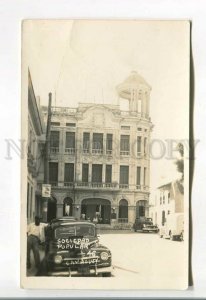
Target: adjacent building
x,y
35,153
168,200
99,160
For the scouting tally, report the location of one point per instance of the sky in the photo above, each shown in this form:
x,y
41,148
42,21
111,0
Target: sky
x,y
84,61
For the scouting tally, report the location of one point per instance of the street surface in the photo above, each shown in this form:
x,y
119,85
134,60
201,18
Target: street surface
x,y
142,255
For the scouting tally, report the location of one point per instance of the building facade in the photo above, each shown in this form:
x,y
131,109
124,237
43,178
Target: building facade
x,y
168,200
35,155
99,159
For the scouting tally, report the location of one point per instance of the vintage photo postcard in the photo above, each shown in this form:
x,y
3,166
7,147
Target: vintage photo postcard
x,y
104,182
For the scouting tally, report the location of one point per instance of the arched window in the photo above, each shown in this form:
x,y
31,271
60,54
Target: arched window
x,y
140,208
123,211
68,207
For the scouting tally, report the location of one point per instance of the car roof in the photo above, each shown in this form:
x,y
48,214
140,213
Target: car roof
x,y
66,219
72,222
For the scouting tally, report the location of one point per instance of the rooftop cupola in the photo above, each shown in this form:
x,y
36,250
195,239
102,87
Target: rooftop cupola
x,y
137,91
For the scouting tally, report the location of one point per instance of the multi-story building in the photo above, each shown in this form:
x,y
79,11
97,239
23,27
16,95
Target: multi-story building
x,y
168,200
99,161
36,140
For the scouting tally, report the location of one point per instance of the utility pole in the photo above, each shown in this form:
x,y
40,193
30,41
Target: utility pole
x,y
48,137
47,155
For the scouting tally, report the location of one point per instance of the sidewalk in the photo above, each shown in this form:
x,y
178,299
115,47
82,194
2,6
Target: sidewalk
x,y
32,271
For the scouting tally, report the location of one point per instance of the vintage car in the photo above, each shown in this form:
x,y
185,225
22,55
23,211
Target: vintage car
x,y
141,222
150,228
72,249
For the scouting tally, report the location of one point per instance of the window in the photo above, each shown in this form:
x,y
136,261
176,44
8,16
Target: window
x,y
145,176
125,127
168,212
97,144
54,141
139,141
70,142
145,145
53,173
85,172
168,197
55,123
124,176
69,172
138,177
86,142
139,129
71,124
163,218
125,145
163,199
97,173
108,174
109,143
140,208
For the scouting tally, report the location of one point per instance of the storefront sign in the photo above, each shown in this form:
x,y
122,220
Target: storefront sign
x,y
46,190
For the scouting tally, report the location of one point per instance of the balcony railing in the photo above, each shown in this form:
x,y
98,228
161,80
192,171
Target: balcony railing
x,y
124,153
123,186
97,151
109,152
54,150
69,150
65,110
123,220
97,185
86,150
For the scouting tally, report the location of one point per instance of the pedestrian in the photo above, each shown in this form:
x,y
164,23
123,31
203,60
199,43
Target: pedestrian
x,y
34,237
95,220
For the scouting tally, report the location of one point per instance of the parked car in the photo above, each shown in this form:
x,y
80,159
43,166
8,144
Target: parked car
x,y
141,222
173,228
150,228
73,249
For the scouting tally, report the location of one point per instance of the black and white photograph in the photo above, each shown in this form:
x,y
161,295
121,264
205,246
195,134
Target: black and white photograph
x,y
105,180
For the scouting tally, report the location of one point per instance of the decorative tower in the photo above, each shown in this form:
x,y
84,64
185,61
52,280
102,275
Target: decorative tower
x,y
137,91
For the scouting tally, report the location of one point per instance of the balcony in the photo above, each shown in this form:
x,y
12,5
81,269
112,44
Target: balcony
x,y
69,151
64,110
79,185
97,151
124,153
123,186
54,150
109,152
86,151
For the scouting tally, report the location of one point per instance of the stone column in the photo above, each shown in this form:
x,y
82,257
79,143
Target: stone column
x,y
90,173
103,172
61,173
59,213
131,214
62,138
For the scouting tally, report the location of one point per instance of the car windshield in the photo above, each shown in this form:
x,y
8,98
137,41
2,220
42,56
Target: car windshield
x,y
75,230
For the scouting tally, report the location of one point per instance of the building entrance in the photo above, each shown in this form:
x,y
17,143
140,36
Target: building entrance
x,y
51,210
95,209
141,209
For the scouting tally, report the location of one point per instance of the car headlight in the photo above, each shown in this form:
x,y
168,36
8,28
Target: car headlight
x,y
57,259
104,256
